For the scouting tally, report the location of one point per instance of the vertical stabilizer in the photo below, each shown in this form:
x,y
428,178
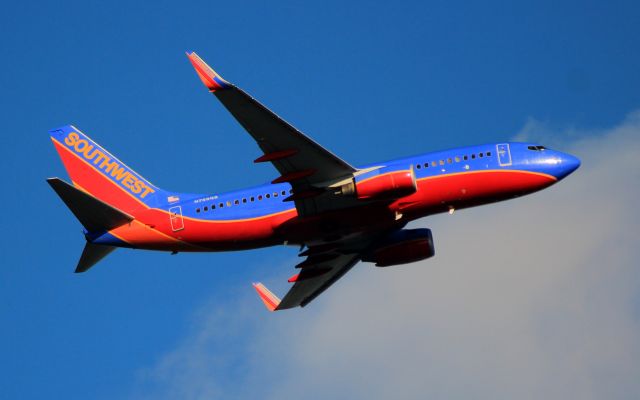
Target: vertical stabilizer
x,y
100,173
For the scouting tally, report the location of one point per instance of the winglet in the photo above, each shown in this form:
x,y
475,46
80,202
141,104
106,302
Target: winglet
x,y
208,76
270,300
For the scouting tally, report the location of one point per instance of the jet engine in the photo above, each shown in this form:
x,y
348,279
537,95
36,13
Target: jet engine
x,y
385,183
402,247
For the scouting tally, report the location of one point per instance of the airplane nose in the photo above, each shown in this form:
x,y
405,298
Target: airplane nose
x,y
568,164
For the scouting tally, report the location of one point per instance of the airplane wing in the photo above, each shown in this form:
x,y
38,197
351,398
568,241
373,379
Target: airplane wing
x,y
325,263
307,166
317,274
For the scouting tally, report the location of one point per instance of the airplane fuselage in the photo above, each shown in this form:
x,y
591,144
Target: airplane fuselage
x,y
259,216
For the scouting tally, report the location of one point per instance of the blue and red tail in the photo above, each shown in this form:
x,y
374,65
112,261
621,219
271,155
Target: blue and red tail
x,y
97,172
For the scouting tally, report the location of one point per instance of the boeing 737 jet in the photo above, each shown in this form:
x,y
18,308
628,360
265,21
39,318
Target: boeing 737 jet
x,y
337,213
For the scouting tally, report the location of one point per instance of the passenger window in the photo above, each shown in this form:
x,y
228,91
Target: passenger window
x,y
426,165
221,205
236,202
441,162
268,196
448,161
290,191
473,156
481,155
260,197
197,210
418,166
465,157
457,158
213,207
206,208
275,194
228,204
488,154
244,200
252,199
284,192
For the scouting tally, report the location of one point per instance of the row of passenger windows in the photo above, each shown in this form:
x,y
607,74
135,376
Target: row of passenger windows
x,y
456,159
284,192
244,200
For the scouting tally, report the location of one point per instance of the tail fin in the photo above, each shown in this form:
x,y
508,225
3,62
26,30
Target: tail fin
x,y
100,174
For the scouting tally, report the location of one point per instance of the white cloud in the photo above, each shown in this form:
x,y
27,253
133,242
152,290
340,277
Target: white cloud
x,y
533,298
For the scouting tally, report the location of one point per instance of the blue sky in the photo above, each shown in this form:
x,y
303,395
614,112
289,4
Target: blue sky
x,y
368,80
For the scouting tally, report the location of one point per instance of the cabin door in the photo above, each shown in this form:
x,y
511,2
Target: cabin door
x,y
504,154
175,217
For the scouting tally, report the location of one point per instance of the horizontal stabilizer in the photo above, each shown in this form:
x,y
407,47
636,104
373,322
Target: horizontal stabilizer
x,y
95,215
91,254
270,300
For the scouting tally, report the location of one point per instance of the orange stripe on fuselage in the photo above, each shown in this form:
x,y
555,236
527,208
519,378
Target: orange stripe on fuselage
x,y
227,221
142,235
502,171
136,233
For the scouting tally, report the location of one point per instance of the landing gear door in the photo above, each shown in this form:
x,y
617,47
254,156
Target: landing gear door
x,y
175,217
504,154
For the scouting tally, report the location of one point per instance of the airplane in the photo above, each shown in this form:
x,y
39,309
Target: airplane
x,y
338,214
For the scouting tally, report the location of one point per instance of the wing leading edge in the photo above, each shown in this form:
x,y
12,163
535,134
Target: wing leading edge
x,y
306,165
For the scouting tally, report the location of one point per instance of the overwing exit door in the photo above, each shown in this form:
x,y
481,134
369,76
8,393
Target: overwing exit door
x,y
504,154
175,216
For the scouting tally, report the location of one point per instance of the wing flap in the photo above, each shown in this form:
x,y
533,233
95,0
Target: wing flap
x,y
324,265
275,135
315,278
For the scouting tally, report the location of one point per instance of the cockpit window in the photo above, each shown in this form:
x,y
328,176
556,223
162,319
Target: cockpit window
x,y
536,148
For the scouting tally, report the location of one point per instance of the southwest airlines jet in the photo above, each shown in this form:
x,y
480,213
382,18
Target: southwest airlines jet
x,y
337,213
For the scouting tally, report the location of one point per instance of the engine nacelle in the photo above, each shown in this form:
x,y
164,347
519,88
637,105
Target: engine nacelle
x,y
385,183
402,247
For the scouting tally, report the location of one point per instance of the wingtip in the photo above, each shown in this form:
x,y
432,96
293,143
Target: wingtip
x,y
270,300
210,78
